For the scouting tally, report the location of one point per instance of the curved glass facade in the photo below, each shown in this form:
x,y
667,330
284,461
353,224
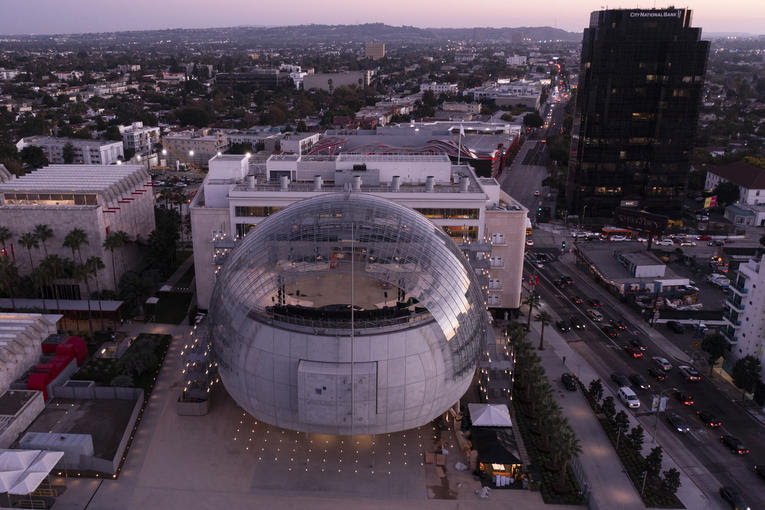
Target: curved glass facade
x,y
345,251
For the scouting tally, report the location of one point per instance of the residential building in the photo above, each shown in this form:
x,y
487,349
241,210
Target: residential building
x,y
473,211
331,81
516,60
374,50
750,180
99,199
744,312
298,143
193,147
263,78
138,138
84,152
640,88
439,88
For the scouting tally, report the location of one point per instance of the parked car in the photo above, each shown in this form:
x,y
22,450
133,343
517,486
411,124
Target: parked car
x,y
618,237
577,323
620,379
633,351
676,327
529,242
568,381
734,444
684,397
678,423
734,498
709,419
595,315
563,326
657,373
689,372
639,382
665,242
663,363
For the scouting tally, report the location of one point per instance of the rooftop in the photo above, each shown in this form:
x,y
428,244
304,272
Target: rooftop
x,y
76,142
741,173
76,178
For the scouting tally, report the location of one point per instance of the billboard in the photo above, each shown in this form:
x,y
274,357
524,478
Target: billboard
x,y
639,220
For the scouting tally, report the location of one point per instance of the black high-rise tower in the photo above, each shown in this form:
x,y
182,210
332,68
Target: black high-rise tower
x,y
637,105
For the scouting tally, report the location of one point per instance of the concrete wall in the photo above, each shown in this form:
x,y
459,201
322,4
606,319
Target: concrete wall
x,y
22,419
513,225
205,221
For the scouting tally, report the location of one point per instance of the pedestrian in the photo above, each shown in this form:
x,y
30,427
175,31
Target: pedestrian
x,y
564,361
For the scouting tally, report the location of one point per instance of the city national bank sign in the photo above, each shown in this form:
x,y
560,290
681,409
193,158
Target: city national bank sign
x,y
655,14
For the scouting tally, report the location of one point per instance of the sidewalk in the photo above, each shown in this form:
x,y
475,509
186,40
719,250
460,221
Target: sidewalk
x,y
611,487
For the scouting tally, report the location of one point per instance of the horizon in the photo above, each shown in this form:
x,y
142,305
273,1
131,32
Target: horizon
x,y
49,17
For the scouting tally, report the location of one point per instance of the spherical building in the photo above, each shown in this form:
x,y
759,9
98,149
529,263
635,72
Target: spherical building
x,y
347,314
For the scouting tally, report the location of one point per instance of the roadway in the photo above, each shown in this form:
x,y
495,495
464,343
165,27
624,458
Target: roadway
x,y
699,452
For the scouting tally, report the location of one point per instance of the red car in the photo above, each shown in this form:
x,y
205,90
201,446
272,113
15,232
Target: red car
x,y
633,351
703,238
577,300
685,398
596,303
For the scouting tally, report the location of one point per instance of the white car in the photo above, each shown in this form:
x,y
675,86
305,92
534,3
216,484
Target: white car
x,y
663,363
666,242
618,238
687,243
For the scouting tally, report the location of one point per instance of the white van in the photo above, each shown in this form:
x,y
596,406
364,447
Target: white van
x,y
595,315
628,397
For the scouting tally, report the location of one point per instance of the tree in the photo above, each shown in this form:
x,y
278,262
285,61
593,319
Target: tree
x,y
596,390
727,193
5,235
746,373
192,116
671,480
83,133
636,438
621,423
113,133
115,241
33,156
543,318
67,153
134,289
608,408
43,233
568,445
652,462
715,345
532,300
9,277
532,120
74,241
507,117
28,240
93,265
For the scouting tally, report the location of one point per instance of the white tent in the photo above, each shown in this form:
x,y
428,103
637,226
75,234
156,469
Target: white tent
x,y
22,471
490,415
8,478
28,483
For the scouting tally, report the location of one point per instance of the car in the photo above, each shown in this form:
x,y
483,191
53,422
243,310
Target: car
x,y
684,397
620,379
718,242
687,243
709,419
540,265
180,184
628,397
703,238
595,315
760,470
577,323
558,283
689,372
563,326
733,498
678,423
618,238
537,193
734,444
676,326
633,351
636,342
657,373
567,279
568,381
663,363
529,242
543,257
595,303
639,382
577,300
665,242
617,324
611,332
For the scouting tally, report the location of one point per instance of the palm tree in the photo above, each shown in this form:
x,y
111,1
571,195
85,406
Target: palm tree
x,y
52,267
94,265
43,233
9,274
113,242
567,445
74,241
532,300
5,235
543,318
28,240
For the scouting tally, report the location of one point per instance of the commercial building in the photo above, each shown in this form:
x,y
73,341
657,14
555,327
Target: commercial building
x,y
744,311
193,147
98,199
331,81
139,138
83,152
347,313
473,211
374,50
516,60
439,88
640,88
256,77
524,93
298,143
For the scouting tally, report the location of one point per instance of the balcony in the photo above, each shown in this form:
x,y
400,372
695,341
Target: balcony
x,y
732,303
739,289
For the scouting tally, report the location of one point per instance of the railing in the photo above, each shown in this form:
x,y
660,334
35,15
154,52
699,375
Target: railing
x,y
330,327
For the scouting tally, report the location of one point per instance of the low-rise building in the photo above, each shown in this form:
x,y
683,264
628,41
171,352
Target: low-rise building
x,y
475,212
193,147
750,180
374,50
83,152
97,199
331,81
298,143
439,88
139,138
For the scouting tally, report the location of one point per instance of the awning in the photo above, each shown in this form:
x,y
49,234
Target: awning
x,y
490,415
22,471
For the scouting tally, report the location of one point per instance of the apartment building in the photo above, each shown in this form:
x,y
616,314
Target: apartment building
x,y
83,152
